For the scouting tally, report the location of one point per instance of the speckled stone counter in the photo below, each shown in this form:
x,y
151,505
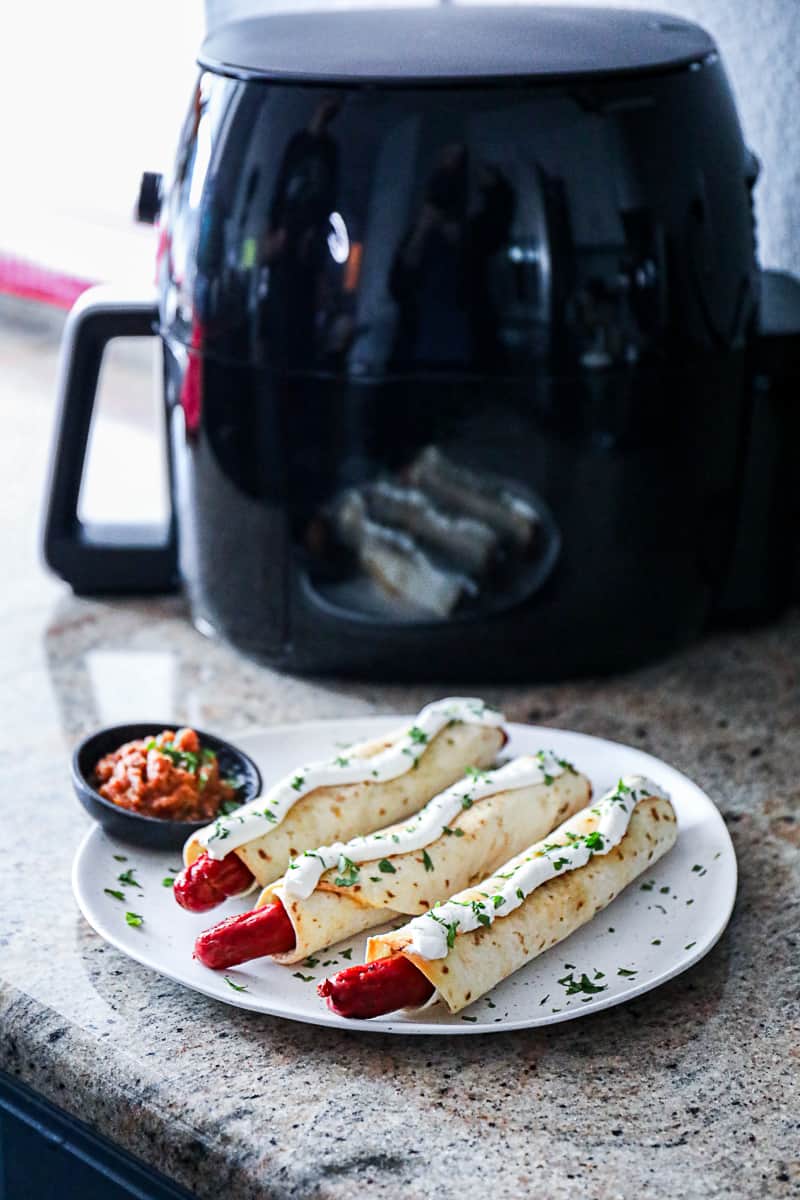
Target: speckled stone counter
x,y
691,1091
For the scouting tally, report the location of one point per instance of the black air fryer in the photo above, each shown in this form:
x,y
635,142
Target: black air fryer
x,y
469,367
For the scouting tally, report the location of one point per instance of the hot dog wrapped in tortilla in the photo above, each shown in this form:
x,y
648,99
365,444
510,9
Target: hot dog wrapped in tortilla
x,y
339,890
360,790
469,543
475,494
464,947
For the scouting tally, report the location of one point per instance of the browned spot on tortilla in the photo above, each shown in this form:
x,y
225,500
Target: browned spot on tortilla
x,y
381,812
424,904
579,904
390,894
650,855
468,995
445,970
262,853
337,812
447,883
293,852
357,887
656,817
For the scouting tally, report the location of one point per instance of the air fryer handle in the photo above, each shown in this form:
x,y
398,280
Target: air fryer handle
x,y
98,558
765,567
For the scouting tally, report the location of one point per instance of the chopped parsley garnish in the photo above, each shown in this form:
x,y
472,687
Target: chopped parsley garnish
x,y
664,891
311,962
452,832
298,782
229,806
341,761
690,945
387,868
187,760
268,814
627,974
594,840
168,881
348,954
116,895
305,978
656,942
584,984
559,863
349,873
699,869
473,1019
544,999
133,918
498,901
477,774
128,878
451,927
427,860
237,987
647,887
418,735
520,894
121,857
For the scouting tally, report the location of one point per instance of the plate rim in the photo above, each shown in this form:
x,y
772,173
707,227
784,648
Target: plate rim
x,y
327,1019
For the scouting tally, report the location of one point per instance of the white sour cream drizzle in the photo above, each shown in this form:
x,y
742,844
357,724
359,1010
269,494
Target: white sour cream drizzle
x,y
566,849
255,819
426,827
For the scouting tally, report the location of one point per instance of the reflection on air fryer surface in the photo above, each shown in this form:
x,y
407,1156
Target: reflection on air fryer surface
x,y
436,540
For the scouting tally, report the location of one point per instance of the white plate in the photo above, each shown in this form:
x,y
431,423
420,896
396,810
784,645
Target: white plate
x,y
654,932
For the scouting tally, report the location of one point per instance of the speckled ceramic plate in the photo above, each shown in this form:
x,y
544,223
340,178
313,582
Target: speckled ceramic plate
x,y
663,923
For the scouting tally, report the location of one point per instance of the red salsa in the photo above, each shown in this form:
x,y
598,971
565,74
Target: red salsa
x,y
169,775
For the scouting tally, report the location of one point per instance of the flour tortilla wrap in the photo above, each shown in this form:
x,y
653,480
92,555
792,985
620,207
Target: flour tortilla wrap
x,y
494,827
329,814
482,958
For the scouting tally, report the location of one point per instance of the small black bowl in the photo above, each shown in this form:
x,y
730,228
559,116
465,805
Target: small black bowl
x,y
129,826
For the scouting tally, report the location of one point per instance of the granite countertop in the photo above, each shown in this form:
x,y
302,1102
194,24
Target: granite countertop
x,y
690,1091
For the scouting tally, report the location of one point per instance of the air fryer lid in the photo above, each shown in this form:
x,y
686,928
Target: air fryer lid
x,y
452,43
